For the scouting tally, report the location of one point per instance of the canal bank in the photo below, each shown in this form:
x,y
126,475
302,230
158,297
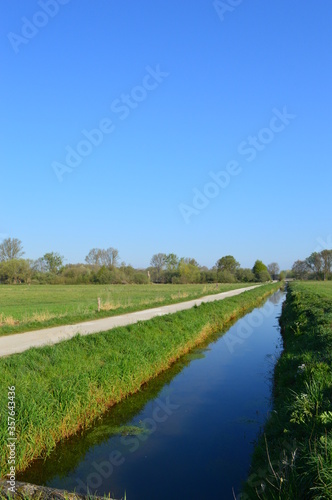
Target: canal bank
x,y
26,491
293,458
62,389
190,430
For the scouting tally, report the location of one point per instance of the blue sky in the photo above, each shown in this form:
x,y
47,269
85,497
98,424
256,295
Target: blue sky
x,y
177,90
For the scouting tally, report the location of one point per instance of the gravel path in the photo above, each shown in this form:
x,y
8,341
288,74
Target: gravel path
x,y
20,342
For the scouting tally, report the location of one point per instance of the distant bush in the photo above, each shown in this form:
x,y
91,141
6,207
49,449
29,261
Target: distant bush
x,y
141,279
264,276
245,275
15,271
226,277
282,275
208,276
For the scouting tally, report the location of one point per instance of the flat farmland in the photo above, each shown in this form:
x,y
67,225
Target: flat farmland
x,y
30,307
321,288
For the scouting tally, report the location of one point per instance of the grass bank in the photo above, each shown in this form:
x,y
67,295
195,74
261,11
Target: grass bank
x,y
61,389
25,308
294,457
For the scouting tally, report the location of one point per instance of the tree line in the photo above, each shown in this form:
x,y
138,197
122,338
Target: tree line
x,y
318,266
103,266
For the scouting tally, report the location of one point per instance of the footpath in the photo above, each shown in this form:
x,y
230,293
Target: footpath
x,y
12,344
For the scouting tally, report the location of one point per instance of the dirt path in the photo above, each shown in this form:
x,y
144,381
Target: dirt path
x,y
20,342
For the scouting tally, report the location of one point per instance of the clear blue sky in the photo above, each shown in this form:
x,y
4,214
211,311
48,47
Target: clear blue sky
x,y
81,64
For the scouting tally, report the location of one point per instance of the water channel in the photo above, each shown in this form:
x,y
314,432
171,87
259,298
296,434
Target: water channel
x,y
188,434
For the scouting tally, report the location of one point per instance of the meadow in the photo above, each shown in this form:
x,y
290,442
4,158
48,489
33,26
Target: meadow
x,y
61,389
25,308
293,458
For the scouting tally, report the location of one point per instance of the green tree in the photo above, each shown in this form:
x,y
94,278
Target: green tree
x,y
53,262
141,278
227,263
245,275
258,268
104,275
189,271
171,273
208,275
226,277
264,276
172,262
282,275
76,273
11,248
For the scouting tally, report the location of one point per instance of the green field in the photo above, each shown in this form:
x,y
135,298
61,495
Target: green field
x,y
317,289
294,457
24,307
61,389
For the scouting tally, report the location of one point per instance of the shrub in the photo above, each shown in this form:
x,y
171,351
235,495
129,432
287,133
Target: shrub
x,y
226,277
141,279
263,276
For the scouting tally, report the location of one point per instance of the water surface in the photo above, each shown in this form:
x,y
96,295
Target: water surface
x,y
200,419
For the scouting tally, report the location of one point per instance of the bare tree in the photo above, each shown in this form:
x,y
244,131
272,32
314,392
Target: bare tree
x,y
93,257
273,269
315,263
112,256
300,269
39,265
158,261
327,262
101,257
11,248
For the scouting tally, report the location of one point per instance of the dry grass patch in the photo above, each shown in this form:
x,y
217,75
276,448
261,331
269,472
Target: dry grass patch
x,y
152,301
41,316
179,295
7,320
110,306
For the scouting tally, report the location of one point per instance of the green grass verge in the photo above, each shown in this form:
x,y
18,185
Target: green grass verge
x,y
26,308
293,460
61,389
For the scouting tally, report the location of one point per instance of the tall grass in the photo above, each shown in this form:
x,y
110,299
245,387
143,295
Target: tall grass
x,y
61,389
294,457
